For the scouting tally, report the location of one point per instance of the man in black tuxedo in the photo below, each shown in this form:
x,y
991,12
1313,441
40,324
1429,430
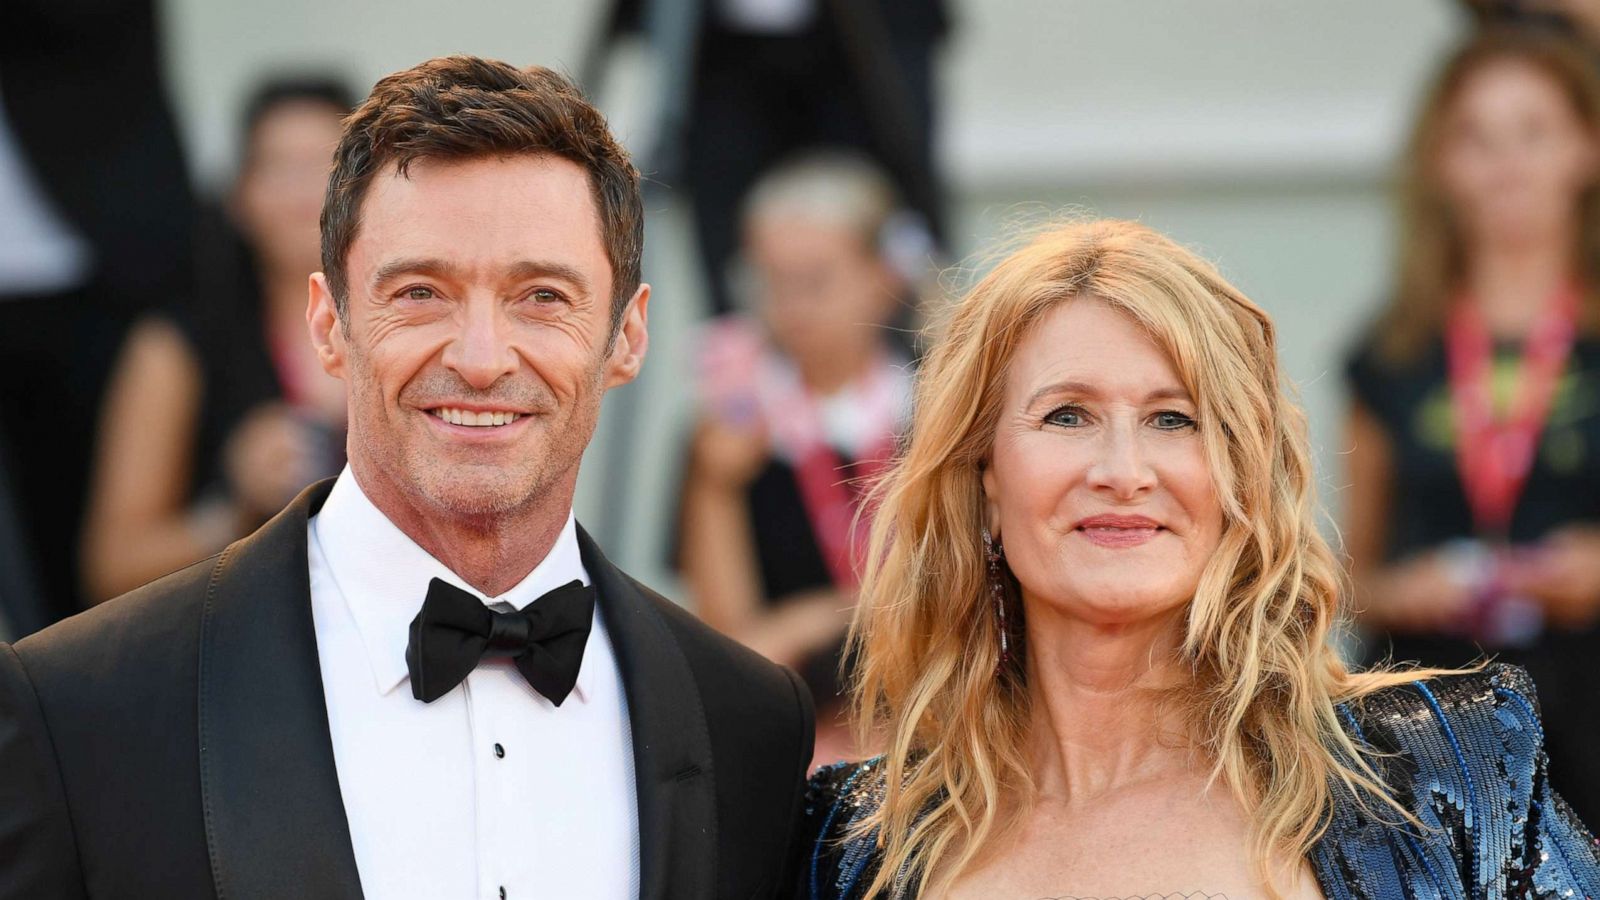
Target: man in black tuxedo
x,y
241,728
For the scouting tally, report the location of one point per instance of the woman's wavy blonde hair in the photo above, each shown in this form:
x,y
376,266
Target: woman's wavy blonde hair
x,y
928,684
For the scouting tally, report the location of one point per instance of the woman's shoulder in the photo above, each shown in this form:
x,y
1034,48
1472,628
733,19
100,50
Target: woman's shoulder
x,y
835,856
1453,716
1464,754
1475,736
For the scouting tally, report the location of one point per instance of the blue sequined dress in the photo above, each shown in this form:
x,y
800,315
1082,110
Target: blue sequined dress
x,y
1463,753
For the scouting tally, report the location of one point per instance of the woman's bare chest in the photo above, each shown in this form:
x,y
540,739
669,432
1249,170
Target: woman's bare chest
x,y
1145,844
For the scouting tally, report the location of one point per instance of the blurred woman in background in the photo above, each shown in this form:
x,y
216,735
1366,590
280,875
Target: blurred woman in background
x,y
218,411
1473,507
800,405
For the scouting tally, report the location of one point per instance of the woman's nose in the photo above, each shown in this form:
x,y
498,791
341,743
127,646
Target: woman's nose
x,y
1121,466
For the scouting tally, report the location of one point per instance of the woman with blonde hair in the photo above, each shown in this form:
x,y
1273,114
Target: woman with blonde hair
x,y
1093,631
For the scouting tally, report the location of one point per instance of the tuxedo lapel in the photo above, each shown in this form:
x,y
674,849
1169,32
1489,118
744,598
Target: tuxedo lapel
x,y
671,746
274,817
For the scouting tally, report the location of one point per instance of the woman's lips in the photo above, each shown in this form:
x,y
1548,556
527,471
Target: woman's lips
x,y
1119,531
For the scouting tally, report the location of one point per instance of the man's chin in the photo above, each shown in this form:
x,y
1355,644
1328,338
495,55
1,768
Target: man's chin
x,y
471,494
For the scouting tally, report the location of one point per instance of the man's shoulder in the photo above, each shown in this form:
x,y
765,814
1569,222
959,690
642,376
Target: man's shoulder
x,y
150,626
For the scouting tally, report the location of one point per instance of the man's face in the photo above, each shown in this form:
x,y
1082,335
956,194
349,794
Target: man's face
x,y
478,341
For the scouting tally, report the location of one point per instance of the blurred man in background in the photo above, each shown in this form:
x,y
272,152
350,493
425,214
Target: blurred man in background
x,y
769,78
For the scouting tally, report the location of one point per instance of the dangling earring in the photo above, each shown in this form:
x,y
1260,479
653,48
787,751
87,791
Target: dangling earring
x,y
991,552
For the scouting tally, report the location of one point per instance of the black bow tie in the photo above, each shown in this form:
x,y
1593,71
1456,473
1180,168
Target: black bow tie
x,y
454,630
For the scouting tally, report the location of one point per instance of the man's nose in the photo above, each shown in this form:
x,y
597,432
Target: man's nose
x,y
481,351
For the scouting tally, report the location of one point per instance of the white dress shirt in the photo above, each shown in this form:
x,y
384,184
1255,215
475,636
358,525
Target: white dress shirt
x,y
490,791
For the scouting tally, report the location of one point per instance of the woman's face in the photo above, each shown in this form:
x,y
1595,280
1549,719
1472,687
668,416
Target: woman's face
x,y
279,195
1098,486
1514,155
823,290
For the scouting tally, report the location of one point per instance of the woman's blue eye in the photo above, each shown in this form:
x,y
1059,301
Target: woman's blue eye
x,y
1173,421
1069,416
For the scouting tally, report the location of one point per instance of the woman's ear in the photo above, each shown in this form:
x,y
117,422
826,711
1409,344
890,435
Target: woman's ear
x,y
991,510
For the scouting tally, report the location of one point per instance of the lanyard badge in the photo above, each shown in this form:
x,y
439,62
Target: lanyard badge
x,y
1495,453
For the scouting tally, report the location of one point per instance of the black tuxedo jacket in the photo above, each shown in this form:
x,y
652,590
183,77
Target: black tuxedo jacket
x,y
174,742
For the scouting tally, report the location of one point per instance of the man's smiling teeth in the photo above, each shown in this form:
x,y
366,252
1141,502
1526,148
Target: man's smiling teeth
x,y
475,419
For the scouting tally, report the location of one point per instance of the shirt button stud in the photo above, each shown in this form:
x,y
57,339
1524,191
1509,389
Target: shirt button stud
x,y
500,753
502,892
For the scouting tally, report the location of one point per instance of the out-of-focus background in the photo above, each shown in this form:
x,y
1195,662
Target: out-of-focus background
x,y
820,174
1264,134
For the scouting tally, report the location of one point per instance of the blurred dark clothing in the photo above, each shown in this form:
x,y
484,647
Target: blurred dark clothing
x,y
1412,403
83,97
758,97
56,353
786,547
790,561
22,607
1429,508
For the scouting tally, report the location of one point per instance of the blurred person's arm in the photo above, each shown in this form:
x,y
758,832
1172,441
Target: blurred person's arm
x,y
1564,576
1417,594
137,527
719,559
140,523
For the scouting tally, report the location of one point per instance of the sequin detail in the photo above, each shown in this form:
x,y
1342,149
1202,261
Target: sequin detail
x,y
1464,754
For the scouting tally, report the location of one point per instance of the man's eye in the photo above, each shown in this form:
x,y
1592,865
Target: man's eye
x,y
1172,421
545,295
419,293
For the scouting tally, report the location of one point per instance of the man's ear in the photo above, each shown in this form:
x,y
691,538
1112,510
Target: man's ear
x,y
327,332
633,338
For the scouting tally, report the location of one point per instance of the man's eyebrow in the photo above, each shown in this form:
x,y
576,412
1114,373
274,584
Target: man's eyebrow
x,y
521,270
536,268
414,266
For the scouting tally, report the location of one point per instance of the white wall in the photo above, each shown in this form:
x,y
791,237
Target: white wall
x,y
1259,131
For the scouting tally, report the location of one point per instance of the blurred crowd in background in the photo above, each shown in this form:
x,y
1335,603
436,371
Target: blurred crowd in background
x,y
160,399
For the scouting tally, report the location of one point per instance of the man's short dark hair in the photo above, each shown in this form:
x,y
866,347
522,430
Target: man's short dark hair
x,y
464,107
